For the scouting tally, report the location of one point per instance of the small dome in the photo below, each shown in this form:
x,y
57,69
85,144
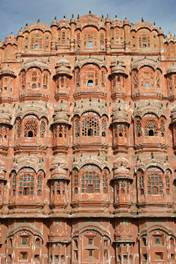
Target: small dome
x,y
121,171
60,117
171,69
118,69
7,72
63,67
120,116
59,173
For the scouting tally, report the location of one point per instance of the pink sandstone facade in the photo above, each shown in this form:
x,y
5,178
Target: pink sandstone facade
x,y
88,143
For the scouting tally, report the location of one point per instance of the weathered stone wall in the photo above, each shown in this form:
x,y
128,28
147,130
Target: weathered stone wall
x,y
87,143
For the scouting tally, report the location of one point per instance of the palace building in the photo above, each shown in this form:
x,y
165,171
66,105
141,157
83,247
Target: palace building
x,y
88,143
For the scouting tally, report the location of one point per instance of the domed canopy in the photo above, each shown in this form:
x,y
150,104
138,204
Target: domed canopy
x,y
121,172
118,69
60,117
171,69
58,173
7,72
63,67
120,116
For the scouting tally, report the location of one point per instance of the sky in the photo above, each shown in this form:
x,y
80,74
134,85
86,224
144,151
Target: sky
x,y
16,13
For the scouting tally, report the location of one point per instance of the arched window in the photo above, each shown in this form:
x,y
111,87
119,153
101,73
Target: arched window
x,y
39,183
30,128
90,125
77,127
90,180
45,80
26,42
63,37
151,128
38,242
144,41
140,177
78,40
155,181
138,128
23,79
162,127
104,126
77,77
102,40
46,42
26,183
168,180
62,131
147,78
90,83
42,128
75,181
36,41
14,184
89,44
18,127
103,79
105,180
6,81
35,79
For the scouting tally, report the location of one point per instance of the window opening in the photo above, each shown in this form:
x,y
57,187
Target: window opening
x,y
90,83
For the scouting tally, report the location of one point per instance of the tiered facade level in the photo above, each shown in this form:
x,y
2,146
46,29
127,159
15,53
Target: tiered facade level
x,y
87,143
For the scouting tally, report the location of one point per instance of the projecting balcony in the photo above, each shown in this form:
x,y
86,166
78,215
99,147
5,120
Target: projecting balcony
x,y
150,142
34,94
147,95
89,141
82,202
88,91
26,201
32,144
